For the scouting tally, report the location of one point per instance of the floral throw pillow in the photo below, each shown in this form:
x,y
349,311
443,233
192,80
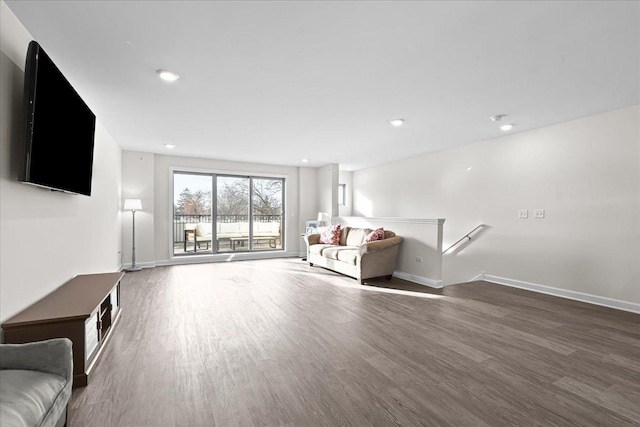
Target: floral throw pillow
x,y
331,236
374,235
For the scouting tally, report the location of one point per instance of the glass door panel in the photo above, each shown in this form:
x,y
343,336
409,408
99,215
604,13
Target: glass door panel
x,y
192,224
267,198
232,214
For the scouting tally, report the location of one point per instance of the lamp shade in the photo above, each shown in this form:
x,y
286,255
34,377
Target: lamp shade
x,y
132,204
323,217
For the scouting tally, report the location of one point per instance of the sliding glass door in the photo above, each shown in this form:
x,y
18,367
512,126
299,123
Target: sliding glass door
x,y
192,219
247,214
232,213
267,213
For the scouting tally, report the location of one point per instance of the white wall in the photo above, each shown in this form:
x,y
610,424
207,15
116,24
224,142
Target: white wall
x,y
420,254
48,237
163,196
584,173
147,176
138,183
308,201
328,189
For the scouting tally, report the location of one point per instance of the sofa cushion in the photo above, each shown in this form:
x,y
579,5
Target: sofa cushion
x,y
228,228
203,229
266,228
356,236
344,232
28,396
348,255
318,249
331,236
332,252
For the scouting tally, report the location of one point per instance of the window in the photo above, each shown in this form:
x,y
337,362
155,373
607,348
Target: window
x,y
246,213
342,194
191,213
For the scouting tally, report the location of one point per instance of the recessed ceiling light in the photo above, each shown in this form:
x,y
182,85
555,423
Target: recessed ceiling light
x,y
497,117
397,122
169,146
167,75
506,128
469,168
305,160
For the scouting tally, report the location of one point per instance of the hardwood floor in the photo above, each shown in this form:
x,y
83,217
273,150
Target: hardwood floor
x,y
279,343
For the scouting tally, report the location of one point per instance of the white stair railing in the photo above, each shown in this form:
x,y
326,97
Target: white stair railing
x,y
466,236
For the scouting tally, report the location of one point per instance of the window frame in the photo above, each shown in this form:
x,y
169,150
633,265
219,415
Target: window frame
x,y
214,173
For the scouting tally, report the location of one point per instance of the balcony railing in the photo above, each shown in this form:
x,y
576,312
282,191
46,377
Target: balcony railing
x,y
179,221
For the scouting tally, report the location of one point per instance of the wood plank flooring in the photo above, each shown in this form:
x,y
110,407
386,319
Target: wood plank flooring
x,y
280,343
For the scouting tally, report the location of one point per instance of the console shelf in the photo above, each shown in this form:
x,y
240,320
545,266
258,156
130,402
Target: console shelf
x,y
85,310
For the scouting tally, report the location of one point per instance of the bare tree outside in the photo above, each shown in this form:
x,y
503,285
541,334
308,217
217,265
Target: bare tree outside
x,y
267,196
194,203
233,196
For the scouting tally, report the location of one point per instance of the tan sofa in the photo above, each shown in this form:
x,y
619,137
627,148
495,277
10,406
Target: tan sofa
x,y
354,258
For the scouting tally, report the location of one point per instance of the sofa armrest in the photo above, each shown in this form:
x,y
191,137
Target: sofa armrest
x,y
379,245
312,239
54,356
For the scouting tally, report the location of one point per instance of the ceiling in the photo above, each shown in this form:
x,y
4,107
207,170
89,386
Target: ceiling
x,y
275,82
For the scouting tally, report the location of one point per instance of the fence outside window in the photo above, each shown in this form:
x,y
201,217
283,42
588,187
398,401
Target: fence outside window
x,y
179,221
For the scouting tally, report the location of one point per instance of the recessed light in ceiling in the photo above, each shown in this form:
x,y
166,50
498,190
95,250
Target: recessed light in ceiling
x,y
305,160
506,128
167,75
469,168
497,117
169,146
397,122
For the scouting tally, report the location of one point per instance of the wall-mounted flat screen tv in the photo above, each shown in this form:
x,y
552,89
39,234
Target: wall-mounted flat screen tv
x,y
60,128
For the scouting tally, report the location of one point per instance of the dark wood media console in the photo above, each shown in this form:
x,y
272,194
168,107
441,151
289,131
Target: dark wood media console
x,y
85,310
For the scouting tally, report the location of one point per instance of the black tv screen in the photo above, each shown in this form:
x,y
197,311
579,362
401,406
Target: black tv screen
x,y
60,128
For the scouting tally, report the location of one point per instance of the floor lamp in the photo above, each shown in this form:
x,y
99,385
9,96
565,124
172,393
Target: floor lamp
x,y
133,205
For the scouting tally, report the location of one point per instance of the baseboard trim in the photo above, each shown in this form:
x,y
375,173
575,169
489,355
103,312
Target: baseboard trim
x,y
246,256
563,293
151,264
425,281
476,278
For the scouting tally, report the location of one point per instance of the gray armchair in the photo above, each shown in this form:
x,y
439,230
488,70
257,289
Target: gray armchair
x,y
35,383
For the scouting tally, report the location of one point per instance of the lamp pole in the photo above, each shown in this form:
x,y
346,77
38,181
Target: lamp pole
x,y
133,245
133,205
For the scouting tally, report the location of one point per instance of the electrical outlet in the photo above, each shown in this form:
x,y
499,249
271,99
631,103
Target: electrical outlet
x,y
523,214
418,259
538,213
